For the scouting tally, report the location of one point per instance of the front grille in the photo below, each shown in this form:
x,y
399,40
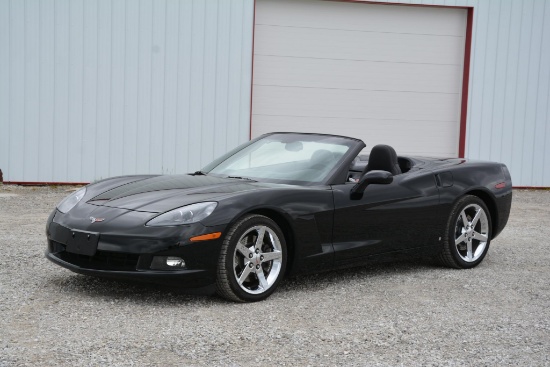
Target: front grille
x,y
102,260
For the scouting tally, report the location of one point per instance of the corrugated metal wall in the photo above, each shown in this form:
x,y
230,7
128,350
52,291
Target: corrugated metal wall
x,y
509,93
95,88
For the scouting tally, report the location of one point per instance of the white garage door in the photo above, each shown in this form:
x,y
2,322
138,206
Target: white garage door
x,y
382,73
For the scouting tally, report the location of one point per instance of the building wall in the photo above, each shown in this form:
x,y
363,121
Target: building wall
x,y
96,88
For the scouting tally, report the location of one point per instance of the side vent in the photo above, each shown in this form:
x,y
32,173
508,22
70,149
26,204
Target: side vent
x,y
444,179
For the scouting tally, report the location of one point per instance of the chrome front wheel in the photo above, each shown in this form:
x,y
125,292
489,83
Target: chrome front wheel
x,y
257,259
252,260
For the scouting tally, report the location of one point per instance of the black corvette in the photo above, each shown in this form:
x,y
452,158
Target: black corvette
x,y
284,203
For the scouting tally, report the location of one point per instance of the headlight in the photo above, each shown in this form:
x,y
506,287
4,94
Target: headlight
x,y
70,201
185,215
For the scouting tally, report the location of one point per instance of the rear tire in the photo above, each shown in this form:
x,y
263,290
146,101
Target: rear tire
x,y
252,260
467,235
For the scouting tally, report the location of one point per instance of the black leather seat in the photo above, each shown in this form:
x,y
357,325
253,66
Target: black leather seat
x,y
383,157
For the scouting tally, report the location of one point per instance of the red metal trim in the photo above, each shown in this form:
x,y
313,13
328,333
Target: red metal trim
x,y
252,71
29,183
465,84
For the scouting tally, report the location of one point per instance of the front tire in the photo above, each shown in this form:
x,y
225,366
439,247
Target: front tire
x,y
468,234
252,260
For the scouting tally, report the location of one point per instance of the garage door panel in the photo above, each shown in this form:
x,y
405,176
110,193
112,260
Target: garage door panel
x,y
372,131
351,74
382,73
363,17
295,101
353,45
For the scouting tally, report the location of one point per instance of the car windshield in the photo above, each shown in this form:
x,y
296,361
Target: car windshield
x,y
288,158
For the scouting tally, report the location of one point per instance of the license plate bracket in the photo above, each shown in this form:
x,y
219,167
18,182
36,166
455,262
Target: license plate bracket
x,y
82,243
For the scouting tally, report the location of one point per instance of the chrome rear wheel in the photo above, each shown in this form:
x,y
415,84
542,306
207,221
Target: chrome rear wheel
x,y
471,233
468,234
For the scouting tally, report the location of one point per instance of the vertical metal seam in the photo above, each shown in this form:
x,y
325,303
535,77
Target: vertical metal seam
x,y
110,91
68,89
252,69
527,87
517,77
151,86
494,80
547,147
96,134
82,95
202,82
216,71
177,92
241,70
54,81
538,89
136,150
482,98
164,51
9,90
124,94
227,118
189,86
38,158
506,78
24,84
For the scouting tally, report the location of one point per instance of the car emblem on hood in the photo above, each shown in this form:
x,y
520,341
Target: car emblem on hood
x,y
93,220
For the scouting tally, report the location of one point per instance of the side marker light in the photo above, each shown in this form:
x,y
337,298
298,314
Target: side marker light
x,y
206,237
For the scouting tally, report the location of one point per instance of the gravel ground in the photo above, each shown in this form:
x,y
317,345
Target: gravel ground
x,y
397,314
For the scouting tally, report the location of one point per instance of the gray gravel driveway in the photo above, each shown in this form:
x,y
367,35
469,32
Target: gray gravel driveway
x,y
395,314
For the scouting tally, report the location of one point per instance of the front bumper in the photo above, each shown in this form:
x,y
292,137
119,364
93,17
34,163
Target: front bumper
x,y
181,278
123,256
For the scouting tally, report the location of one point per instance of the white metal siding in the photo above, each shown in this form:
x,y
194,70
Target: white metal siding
x,y
382,73
96,88
508,101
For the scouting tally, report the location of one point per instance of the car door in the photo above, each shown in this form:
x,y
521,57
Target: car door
x,y
401,215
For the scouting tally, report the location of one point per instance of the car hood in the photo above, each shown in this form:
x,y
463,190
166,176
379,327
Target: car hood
x,y
162,193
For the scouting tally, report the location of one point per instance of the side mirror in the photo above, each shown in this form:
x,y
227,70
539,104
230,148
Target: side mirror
x,y
372,177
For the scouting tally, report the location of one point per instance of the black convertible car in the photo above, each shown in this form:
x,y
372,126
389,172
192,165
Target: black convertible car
x,y
284,203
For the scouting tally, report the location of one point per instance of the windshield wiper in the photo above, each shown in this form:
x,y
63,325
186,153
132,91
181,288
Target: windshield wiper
x,y
198,173
241,178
